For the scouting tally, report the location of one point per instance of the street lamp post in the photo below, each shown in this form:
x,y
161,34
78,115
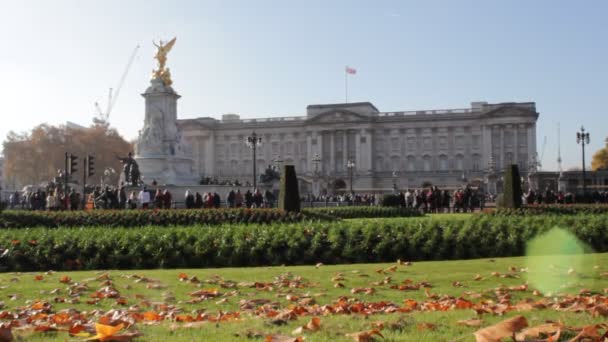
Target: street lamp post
x,y
582,138
253,141
350,164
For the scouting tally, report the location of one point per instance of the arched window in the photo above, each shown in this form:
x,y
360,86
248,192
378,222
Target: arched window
x,y
394,163
476,162
459,162
411,163
234,167
443,162
426,163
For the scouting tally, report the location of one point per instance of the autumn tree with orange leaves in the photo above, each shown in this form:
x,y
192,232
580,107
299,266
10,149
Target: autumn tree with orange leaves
x,y
34,157
600,159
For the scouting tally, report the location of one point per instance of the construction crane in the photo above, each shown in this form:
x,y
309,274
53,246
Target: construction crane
x,y
104,116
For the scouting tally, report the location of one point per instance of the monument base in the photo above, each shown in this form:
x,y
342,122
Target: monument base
x,y
167,170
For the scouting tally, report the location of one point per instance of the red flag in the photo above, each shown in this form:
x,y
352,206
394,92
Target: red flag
x,y
351,71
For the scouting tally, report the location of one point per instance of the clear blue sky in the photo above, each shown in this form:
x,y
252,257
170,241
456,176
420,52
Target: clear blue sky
x,y
273,58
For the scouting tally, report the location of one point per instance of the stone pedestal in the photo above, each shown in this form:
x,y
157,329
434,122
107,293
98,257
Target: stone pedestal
x,y
160,149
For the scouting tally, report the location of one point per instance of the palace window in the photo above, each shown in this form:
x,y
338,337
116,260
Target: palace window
x,y
395,144
443,142
459,141
522,138
459,162
426,163
476,162
394,163
411,143
411,163
443,162
427,143
476,141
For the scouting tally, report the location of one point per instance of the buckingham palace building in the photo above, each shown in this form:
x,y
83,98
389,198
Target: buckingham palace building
x,y
379,150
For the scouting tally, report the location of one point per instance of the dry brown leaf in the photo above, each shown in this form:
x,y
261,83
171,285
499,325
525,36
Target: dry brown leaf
x,y
589,331
6,335
536,331
365,336
506,328
313,325
282,338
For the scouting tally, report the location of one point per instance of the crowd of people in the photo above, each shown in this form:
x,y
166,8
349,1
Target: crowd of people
x,y
559,197
431,199
52,198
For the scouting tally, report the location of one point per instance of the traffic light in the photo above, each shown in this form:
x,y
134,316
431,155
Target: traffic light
x,y
73,164
91,164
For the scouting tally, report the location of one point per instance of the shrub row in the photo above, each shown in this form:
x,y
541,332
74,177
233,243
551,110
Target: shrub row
x,y
554,209
349,212
285,243
138,218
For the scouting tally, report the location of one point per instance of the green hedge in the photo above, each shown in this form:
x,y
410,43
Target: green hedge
x,y
553,209
349,212
290,243
138,218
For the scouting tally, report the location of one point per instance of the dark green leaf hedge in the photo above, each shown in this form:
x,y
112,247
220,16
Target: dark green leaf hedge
x,y
306,242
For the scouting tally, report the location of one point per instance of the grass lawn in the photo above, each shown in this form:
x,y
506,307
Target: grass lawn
x,y
150,290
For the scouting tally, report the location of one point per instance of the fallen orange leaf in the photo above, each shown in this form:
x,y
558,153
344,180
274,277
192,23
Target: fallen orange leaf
x,y
313,325
65,279
365,336
501,330
105,332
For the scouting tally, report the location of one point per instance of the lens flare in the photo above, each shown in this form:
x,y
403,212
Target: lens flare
x,y
554,260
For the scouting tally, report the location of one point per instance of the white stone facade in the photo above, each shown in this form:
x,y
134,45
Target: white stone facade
x,y
403,148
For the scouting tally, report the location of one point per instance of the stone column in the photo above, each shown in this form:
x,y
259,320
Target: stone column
x,y
368,150
309,154
531,141
358,159
319,137
332,152
345,155
516,145
210,156
486,138
502,147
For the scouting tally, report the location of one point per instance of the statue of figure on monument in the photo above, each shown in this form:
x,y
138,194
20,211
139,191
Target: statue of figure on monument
x,y
162,73
130,169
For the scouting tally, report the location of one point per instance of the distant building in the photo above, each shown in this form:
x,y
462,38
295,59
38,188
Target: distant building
x,y
408,149
572,181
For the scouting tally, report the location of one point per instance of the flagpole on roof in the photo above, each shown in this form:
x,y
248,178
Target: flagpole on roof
x,y
346,84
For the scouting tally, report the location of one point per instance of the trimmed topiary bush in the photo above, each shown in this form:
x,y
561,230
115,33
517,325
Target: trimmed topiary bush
x,y
391,201
512,188
289,196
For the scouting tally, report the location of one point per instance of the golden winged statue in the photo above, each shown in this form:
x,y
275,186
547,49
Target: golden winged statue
x,y
162,49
